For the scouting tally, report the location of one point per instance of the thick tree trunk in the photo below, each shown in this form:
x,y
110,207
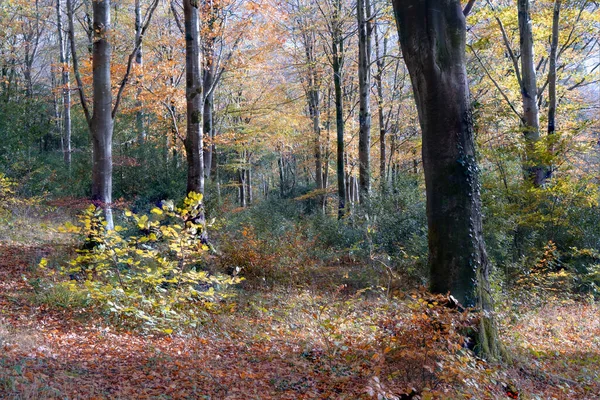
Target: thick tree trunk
x,y
552,78
531,124
432,36
194,98
66,87
102,122
364,83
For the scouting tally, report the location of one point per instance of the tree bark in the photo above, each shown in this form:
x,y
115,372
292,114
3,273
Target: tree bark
x,y
139,61
66,87
552,77
380,112
101,123
337,65
432,37
249,194
194,98
242,187
209,81
535,172
364,83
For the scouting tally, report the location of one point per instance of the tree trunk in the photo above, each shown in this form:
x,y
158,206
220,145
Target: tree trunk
x,y
209,147
432,37
66,88
208,80
249,194
364,82
194,98
535,171
552,78
380,113
242,187
281,176
139,115
337,64
101,123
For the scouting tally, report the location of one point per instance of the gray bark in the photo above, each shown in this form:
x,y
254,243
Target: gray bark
x,y
552,76
194,98
249,194
102,122
313,85
139,61
365,28
380,112
531,124
66,87
337,65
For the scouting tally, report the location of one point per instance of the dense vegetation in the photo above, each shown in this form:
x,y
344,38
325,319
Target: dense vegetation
x,y
299,199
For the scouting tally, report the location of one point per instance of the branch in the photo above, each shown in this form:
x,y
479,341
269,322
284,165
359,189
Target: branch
x,y
508,47
177,18
510,52
82,98
174,120
138,43
468,7
568,42
495,83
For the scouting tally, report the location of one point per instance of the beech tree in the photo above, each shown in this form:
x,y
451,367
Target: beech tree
x,y
194,98
365,28
66,87
100,119
536,172
432,37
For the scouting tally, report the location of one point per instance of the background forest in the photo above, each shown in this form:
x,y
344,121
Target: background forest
x,y
228,199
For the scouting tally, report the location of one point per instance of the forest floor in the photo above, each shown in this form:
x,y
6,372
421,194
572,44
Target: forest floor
x,y
282,343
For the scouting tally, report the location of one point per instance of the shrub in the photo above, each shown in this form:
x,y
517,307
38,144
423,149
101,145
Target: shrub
x,y
150,273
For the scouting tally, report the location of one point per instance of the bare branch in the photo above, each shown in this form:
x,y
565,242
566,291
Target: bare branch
x,y
468,7
148,18
82,98
487,72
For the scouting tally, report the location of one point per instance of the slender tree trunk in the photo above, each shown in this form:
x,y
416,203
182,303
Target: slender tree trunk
x,y
280,163
552,78
249,194
208,80
364,82
139,61
56,109
432,37
194,98
337,58
327,147
66,87
380,112
101,123
242,187
209,147
536,173
314,107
